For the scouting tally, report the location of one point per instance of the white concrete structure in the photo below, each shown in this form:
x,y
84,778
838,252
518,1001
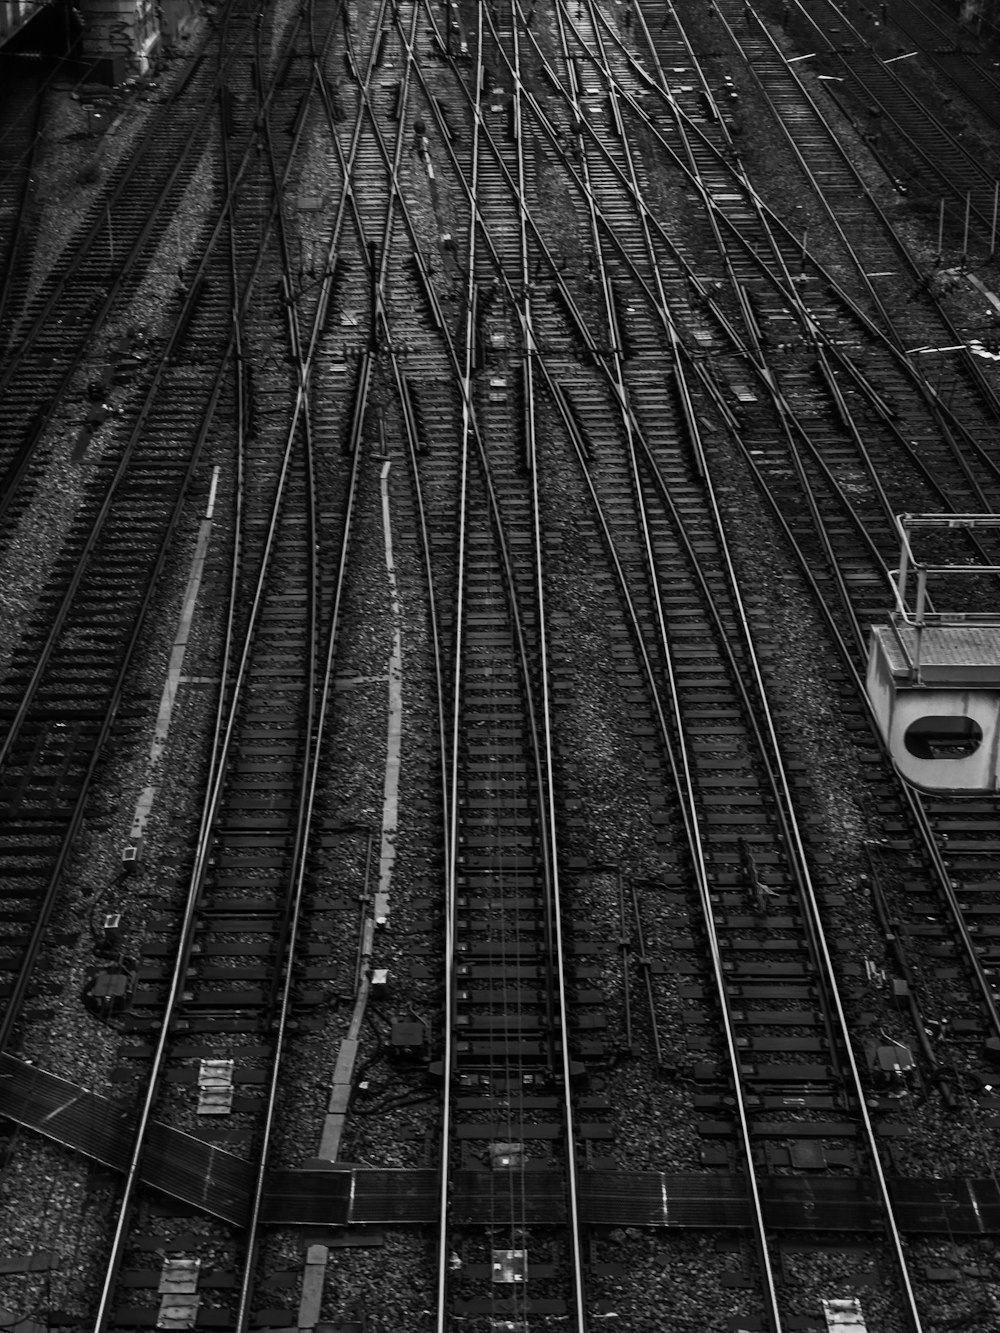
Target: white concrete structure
x,y
934,676
943,731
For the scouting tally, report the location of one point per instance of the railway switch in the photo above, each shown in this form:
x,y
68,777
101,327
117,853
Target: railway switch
x,y
933,673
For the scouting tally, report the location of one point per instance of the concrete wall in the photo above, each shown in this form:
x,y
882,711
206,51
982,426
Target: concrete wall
x,y
125,32
178,19
14,14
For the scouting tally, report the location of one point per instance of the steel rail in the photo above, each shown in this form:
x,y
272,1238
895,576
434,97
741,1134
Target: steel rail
x,y
677,750
406,409
453,829
693,430
211,805
523,437
317,682
811,902
754,351
820,940
388,338
628,420
710,385
753,354
688,791
934,41
471,437
792,836
20,464
528,409
40,921
911,798
239,308
960,152
945,418
812,331
26,165
755,358
988,394
82,247
62,612
550,825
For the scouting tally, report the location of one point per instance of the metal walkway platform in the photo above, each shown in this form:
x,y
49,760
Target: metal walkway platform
x,y
338,1195
359,1196
791,1203
179,1164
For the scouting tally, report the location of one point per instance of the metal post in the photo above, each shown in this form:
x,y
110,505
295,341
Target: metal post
x,y
805,235
965,236
904,570
993,228
940,249
921,602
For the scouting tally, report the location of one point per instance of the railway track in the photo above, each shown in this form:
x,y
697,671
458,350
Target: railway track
x,y
67,679
563,490
24,81
720,749
88,648
602,432
508,1130
238,986
951,52
935,149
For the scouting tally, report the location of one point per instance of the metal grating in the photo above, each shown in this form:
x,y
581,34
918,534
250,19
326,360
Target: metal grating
x,y
394,1196
185,1167
798,1203
219,1183
308,1198
517,1198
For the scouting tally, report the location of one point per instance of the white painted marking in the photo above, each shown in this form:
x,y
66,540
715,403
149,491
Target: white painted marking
x,y
59,1109
390,797
343,1072
211,492
310,1301
140,817
175,678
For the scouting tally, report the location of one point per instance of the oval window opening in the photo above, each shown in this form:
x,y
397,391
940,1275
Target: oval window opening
x,y
943,737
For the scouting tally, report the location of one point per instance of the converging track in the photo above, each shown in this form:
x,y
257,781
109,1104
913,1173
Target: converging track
x,y
521,925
